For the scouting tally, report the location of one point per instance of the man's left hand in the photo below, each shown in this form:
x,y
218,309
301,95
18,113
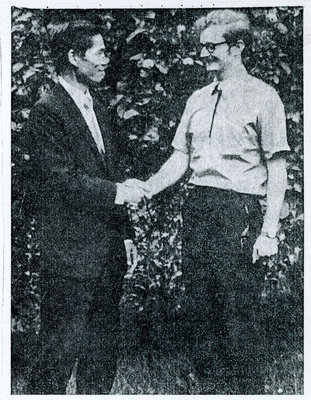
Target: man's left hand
x,y
264,247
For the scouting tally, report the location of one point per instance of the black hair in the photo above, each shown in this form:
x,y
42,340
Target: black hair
x,y
76,36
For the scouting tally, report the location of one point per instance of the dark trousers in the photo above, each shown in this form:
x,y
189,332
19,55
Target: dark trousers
x,y
220,314
79,321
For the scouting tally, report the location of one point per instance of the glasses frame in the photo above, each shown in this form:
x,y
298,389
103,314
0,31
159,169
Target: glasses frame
x,y
210,47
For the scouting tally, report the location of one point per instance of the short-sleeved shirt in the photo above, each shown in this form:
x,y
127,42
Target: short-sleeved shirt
x,y
248,128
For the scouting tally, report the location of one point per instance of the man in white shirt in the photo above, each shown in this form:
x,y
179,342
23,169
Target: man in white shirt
x,y
77,195
233,137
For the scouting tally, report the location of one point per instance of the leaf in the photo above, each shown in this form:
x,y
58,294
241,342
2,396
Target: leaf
x,y
116,100
172,124
162,68
38,66
148,63
144,101
286,67
272,15
143,73
295,117
300,217
22,91
121,110
275,79
130,114
17,67
137,57
180,29
297,188
153,136
295,168
284,211
24,17
177,274
32,71
296,12
282,28
133,34
188,61
158,87
18,28
150,14
57,28
25,113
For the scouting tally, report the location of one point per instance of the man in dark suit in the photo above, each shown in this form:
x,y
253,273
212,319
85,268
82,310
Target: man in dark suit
x,y
73,175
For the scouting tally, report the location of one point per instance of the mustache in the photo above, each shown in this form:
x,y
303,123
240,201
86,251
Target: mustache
x,y
211,59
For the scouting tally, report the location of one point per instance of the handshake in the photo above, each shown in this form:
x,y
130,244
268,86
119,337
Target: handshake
x,y
132,191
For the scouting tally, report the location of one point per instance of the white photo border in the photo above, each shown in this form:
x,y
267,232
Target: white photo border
x,y
5,166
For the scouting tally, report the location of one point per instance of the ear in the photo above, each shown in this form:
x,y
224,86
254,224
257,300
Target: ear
x,y
240,45
72,58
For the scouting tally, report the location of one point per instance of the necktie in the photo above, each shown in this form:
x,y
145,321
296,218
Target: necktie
x,y
218,91
93,124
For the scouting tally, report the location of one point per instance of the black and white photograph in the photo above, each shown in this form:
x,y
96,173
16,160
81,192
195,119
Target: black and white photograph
x,y
156,199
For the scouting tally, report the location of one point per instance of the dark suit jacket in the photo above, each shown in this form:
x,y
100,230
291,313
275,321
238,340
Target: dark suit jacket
x,y
80,229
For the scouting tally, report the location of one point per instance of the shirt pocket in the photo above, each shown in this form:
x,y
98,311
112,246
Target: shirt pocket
x,y
237,135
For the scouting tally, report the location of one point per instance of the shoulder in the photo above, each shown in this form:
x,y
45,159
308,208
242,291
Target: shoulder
x,y
55,101
264,91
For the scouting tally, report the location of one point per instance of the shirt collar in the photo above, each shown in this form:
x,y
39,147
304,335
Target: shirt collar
x,y
79,96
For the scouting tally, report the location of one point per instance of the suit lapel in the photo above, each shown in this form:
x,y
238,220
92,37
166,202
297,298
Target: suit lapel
x,y
104,122
75,121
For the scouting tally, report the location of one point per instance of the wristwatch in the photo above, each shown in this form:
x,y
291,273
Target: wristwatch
x,y
270,233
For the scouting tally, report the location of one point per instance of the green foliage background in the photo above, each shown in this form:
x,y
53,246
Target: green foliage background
x,y
154,68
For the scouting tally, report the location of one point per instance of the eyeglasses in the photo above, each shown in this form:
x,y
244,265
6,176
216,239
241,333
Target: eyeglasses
x,y
210,47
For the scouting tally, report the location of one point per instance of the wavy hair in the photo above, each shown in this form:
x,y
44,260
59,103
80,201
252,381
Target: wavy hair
x,y
236,24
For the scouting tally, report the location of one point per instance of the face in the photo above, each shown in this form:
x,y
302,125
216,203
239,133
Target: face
x,y
217,56
91,67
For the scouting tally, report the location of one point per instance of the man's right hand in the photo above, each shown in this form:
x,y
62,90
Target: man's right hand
x,y
131,191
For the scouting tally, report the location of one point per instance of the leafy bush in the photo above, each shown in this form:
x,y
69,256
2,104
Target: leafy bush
x,y
153,70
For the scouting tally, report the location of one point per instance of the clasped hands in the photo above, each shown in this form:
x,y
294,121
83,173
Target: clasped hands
x,y
134,190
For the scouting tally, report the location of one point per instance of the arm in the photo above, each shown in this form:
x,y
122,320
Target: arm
x,y
53,172
276,187
266,243
173,170
176,166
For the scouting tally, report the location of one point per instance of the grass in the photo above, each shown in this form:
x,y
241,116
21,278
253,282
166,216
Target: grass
x,y
155,366
285,374
152,372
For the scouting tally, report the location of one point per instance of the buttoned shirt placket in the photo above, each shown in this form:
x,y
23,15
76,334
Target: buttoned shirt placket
x,y
219,92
